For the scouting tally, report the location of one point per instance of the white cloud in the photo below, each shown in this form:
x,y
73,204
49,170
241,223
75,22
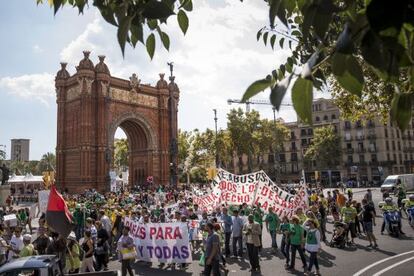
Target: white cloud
x,y
35,86
217,59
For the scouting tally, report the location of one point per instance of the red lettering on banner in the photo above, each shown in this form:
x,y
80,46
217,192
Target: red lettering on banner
x,y
152,231
159,235
264,205
168,231
177,233
252,188
243,191
142,233
264,191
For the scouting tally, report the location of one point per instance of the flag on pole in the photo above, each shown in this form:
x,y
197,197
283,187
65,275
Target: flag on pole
x,y
58,216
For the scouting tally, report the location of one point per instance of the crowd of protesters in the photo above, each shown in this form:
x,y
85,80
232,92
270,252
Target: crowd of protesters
x,y
225,232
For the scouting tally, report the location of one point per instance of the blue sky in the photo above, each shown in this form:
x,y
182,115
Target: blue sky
x,y
217,59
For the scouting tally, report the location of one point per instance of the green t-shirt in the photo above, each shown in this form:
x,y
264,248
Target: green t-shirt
x,y
296,234
23,216
245,212
27,250
349,213
311,237
258,216
401,194
284,227
273,220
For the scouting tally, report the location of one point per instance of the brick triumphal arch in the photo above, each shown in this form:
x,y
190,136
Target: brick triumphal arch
x,y
92,104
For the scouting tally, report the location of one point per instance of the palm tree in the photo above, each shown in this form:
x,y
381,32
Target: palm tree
x,y
48,162
18,167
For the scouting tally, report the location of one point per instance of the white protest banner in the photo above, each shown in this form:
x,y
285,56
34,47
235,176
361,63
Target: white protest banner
x,y
43,200
11,219
161,242
252,189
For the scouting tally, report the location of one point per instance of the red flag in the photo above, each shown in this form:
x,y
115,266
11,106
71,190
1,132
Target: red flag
x,y
58,216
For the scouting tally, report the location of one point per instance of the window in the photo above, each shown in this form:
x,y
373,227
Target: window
x,y
347,124
400,158
293,145
374,158
303,132
358,124
317,119
282,157
325,118
348,145
386,133
387,145
304,142
293,156
295,167
271,159
350,159
373,147
388,157
393,145
399,145
310,131
348,136
333,116
361,158
292,135
360,146
398,133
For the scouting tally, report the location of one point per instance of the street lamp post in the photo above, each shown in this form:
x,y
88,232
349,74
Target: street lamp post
x,y
215,140
275,157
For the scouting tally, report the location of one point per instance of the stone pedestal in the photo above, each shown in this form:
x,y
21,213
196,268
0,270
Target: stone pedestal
x,y
4,193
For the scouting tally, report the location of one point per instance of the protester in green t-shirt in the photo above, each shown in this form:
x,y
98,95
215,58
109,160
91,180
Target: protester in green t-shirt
x,y
285,245
297,242
272,224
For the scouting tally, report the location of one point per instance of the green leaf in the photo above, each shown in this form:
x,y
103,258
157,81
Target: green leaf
x,y
152,24
265,35
182,21
255,88
281,41
278,92
401,109
290,44
296,33
122,34
282,69
273,9
56,5
165,40
348,73
186,4
150,44
302,97
154,9
272,41
259,34
344,44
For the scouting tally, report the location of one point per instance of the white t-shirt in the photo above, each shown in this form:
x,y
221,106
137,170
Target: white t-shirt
x,y
16,244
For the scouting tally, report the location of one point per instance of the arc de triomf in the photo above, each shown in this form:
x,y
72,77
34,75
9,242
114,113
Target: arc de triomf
x,y
92,104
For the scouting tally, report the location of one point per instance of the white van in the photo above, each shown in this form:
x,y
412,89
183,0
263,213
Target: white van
x,y
390,183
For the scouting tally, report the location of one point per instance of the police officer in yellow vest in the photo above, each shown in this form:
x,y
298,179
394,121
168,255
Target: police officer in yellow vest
x,y
389,206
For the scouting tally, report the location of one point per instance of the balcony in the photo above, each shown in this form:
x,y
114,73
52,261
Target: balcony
x,y
349,151
373,150
293,149
409,149
372,136
406,137
293,137
348,139
363,163
360,138
361,150
347,127
370,125
374,163
387,163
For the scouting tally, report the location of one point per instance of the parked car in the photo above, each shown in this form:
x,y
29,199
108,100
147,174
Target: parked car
x,y
42,265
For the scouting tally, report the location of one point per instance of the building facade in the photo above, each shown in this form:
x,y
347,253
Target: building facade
x,y
371,150
20,150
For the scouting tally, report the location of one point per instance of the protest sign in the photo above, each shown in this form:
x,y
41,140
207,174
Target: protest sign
x,y
43,200
252,189
161,242
11,219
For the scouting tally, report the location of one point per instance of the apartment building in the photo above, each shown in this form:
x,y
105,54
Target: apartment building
x,y
370,150
20,150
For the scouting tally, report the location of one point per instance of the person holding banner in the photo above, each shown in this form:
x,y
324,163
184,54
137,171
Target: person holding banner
x,y
272,224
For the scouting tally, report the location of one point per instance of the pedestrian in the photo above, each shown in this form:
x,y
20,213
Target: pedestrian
x,y
73,262
228,223
297,242
272,225
16,244
237,234
368,219
102,247
252,231
212,252
348,214
258,217
312,245
28,248
88,248
127,253
285,244
42,241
